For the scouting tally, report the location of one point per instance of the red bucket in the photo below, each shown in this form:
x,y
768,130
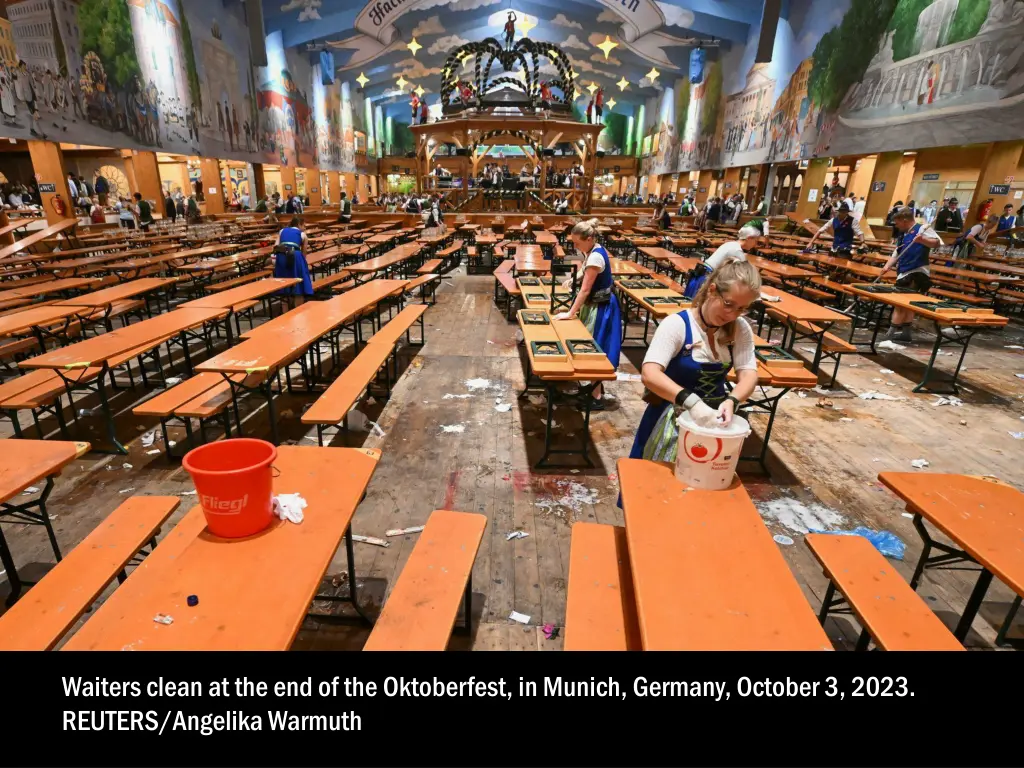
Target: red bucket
x,y
234,479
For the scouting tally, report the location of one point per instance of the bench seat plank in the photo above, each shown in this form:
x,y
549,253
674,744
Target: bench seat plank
x,y
402,322
338,399
894,615
420,613
600,611
51,607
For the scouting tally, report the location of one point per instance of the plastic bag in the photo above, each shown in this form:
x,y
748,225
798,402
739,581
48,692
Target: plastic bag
x,y
889,544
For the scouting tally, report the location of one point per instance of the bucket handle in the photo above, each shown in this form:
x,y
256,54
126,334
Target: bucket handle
x,y
275,470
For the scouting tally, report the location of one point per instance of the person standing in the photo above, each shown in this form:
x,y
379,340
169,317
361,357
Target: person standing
x,y
949,219
735,250
102,187
143,212
910,257
290,259
170,211
345,216
595,305
844,229
690,357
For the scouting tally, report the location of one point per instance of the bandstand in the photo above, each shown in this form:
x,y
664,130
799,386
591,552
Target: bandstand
x,y
516,107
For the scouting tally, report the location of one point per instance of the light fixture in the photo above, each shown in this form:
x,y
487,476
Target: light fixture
x,y
592,87
607,46
623,83
362,80
414,46
525,25
652,75
419,91
402,82
611,103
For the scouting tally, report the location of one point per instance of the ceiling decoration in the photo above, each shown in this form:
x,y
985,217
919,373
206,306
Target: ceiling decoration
x,y
608,42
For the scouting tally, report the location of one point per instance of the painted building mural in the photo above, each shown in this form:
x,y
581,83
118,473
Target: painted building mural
x,y
170,76
850,77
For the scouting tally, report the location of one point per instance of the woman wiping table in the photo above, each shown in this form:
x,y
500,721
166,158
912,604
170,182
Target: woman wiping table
x,y
690,357
597,307
290,259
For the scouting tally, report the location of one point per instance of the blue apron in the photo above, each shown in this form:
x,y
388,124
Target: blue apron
x,y
286,265
601,314
657,437
842,234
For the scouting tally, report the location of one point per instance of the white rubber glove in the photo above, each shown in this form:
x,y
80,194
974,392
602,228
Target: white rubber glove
x,y
703,414
567,283
563,316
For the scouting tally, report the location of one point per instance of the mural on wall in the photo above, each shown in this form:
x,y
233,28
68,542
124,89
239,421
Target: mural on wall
x,y
225,106
101,72
284,106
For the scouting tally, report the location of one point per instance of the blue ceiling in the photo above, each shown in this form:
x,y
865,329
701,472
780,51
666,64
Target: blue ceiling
x,y
441,25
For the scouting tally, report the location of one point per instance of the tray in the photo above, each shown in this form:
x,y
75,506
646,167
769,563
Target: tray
x,y
548,350
666,300
529,281
541,297
632,284
876,288
777,357
650,284
585,348
535,318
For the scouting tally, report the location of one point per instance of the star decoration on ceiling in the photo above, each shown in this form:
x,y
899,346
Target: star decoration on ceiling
x,y
652,75
419,91
611,103
607,46
402,82
525,24
592,87
414,46
623,84
362,80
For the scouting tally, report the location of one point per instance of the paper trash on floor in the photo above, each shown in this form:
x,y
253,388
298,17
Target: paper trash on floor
x,y
370,540
403,531
522,618
920,463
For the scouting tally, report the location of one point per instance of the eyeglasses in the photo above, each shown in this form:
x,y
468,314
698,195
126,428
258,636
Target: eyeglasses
x,y
731,306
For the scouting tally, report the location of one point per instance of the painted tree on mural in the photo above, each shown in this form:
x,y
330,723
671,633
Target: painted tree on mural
x,y
967,20
844,52
106,29
190,62
712,99
682,104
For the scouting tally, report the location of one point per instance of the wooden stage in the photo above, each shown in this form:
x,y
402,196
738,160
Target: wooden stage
x,y
447,446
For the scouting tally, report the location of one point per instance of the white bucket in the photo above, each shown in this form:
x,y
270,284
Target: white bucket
x,y
707,456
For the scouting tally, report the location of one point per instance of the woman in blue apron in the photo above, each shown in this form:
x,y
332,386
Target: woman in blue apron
x,y
748,238
290,260
690,357
597,307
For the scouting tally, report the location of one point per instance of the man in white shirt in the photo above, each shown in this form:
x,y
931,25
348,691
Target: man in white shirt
x,y
858,209
734,250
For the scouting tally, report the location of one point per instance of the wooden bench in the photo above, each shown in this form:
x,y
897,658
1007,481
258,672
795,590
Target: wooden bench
x,y
600,610
326,284
510,290
332,407
832,347
890,612
961,297
40,391
400,324
431,265
234,282
421,611
49,609
202,396
451,256
427,285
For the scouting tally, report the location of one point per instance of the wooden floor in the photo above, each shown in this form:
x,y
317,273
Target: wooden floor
x,y
447,445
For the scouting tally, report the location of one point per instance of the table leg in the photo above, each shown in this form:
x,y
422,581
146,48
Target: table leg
x,y
962,340
973,604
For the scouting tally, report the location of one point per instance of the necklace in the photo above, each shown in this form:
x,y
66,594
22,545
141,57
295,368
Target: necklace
x,y
703,320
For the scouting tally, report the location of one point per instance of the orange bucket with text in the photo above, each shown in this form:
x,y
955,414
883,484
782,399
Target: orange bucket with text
x,y
234,479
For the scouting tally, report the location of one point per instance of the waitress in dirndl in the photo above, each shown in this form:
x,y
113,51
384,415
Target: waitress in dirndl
x,y
595,304
290,261
690,357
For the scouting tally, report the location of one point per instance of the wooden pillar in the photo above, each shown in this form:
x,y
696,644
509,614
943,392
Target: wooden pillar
x,y
997,173
313,187
703,185
7,239
814,178
334,186
883,185
731,182
288,184
48,165
213,187
146,175
259,184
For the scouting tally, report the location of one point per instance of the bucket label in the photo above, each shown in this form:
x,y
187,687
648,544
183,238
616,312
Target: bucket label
x,y
222,506
702,450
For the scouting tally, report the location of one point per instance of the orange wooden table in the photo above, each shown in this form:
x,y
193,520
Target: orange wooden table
x,y
105,297
25,245
257,289
386,262
868,310
254,593
982,516
48,287
22,464
706,573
